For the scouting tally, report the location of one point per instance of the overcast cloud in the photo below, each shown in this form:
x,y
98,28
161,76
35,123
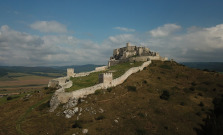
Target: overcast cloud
x,y
24,49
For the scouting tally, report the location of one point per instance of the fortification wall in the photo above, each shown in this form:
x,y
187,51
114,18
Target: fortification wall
x,y
101,68
63,97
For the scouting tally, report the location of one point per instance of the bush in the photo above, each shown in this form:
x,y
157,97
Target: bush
x,y
77,124
182,103
201,104
141,115
198,113
97,92
165,95
131,88
191,88
144,81
9,98
193,84
200,94
12,97
100,117
109,89
141,131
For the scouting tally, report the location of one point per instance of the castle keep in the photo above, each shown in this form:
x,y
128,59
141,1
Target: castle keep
x,y
133,53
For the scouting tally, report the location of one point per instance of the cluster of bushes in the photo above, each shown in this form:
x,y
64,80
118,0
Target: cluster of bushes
x,y
12,97
131,88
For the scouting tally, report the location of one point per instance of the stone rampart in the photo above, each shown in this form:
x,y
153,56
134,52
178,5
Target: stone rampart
x,y
63,97
101,68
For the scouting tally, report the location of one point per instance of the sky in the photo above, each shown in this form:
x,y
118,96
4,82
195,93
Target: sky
x,y
77,32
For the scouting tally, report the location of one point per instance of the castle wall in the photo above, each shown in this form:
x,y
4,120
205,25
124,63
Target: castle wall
x,y
63,97
101,68
113,62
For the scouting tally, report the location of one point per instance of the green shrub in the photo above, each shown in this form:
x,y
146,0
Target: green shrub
x,y
141,115
9,98
100,117
193,84
140,131
165,95
206,82
144,81
97,92
78,124
131,88
200,94
198,113
12,97
201,104
109,89
182,103
191,88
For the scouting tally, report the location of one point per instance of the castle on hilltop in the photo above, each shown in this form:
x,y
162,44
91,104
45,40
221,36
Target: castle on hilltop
x,y
133,53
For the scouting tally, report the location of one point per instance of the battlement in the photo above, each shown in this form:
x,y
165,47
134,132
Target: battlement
x,y
105,77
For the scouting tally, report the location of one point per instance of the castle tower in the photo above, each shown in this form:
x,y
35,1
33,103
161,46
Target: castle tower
x,y
127,44
70,72
140,51
105,78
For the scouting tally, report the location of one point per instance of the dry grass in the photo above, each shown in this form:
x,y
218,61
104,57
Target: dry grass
x,y
137,112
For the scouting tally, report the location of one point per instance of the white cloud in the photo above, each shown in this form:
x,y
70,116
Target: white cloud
x,y
19,48
196,44
164,30
124,29
49,27
22,49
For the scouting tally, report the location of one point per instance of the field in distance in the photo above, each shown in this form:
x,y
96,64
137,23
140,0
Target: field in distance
x,y
19,79
15,83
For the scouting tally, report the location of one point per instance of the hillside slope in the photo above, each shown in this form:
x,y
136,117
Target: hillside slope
x,y
165,98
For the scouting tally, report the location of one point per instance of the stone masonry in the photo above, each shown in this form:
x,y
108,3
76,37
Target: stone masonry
x,y
105,78
133,53
70,72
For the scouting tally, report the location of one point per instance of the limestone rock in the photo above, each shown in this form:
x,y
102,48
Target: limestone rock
x,y
54,103
70,112
53,84
85,131
71,103
101,110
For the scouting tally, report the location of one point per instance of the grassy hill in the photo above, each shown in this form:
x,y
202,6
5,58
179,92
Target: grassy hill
x,y
165,98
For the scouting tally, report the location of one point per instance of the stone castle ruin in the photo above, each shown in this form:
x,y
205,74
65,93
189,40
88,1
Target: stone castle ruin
x,y
132,54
